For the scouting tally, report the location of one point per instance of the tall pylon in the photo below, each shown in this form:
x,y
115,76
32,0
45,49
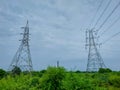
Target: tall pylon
x,y
95,60
22,58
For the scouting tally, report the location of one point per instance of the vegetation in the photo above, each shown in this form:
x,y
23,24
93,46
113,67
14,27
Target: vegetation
x,y
2,73
57,78
104,70
16,71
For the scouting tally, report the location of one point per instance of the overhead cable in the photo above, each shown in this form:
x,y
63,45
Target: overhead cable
x,y
109,16
102,13
111,25
111,37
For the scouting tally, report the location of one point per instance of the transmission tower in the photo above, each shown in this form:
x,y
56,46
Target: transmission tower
x,y
22,58
95,60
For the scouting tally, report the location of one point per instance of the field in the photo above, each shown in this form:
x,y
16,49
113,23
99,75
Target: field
x,y
58,78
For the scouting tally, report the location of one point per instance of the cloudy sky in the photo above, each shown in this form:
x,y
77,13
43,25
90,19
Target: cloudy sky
x,y
57,30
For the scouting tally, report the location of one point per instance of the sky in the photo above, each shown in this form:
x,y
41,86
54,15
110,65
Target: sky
x,y
57,29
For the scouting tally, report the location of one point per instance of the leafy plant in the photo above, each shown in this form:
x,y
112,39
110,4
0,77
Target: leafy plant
x,y
52,79
2,73
16,70
104,70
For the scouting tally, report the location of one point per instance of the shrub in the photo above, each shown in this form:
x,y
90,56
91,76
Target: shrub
x,y
75,81
104,70
2,73
16,71
115,81
34,81
52,78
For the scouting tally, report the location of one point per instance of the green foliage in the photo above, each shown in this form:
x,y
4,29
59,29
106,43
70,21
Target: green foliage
x,y
78,71
34,81
115,81
104,70
14,83
2,73
101,80
16,71
38,73
75,81
57,78
52,79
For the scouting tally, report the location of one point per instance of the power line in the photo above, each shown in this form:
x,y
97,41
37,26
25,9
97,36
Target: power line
x,y
96,12
109,16
102,13
111,37
112,24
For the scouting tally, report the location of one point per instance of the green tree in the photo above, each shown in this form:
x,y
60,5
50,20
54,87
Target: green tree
x,y
52,78
2,73
104,70
16,70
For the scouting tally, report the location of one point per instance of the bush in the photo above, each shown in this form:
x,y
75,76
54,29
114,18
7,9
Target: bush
x,y
52,78
75,81
34,81
2,73
115,81
16,71
104,70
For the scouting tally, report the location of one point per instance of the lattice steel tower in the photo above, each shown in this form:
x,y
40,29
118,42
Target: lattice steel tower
x,y
95,60
22,58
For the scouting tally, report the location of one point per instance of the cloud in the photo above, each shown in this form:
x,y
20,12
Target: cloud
x,y
55,27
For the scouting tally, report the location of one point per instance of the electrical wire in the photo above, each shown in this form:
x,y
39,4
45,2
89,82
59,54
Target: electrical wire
x,y
111,25
102,13
111,37
96,12
109,16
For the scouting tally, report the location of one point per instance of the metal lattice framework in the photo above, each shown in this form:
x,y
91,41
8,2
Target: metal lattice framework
x,y
95,60
22,58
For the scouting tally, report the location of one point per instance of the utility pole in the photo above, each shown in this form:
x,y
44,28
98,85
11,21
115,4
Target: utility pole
x,y
22,58
57,63
95,60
